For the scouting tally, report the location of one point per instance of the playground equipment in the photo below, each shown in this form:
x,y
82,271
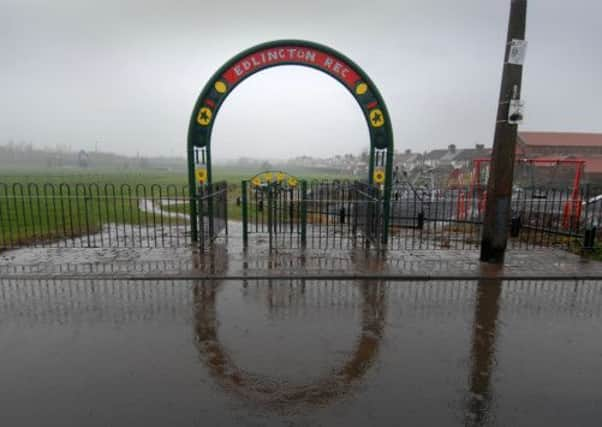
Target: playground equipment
x,y
535,180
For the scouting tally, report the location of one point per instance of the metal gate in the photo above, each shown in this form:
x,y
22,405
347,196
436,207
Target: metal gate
x,y
276,208
368,213
212,205
319,215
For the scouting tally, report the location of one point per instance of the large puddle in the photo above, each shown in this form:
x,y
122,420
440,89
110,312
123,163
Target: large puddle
x,y
300,352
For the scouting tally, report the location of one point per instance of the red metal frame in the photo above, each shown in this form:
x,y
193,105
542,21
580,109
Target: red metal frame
x,y
476,168
572,208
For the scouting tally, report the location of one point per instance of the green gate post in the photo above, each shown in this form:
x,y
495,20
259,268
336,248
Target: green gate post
x,y
371,165
210,195
303,213
245,215
387,196
192,191
201,220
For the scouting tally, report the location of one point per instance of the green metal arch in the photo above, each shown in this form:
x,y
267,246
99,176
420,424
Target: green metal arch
x,y
368,97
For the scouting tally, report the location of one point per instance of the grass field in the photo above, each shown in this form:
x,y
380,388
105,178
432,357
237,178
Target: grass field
x,y
42,205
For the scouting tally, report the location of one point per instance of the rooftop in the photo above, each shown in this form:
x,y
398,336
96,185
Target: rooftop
x,y
561,139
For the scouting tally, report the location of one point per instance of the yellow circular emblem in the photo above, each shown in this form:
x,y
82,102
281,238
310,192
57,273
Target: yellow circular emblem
x,y
204,116
292,181
379,176
377,119
280,176
256,181
361,89
268,176
201,175
220,86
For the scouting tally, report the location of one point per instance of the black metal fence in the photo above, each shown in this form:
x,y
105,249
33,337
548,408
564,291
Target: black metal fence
x,y
556,218
438,219
93,215
452,218
276,210
317,214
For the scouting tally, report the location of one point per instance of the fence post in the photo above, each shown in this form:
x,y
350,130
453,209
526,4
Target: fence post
x,y
420,220
589,231
87,213
515,226
192,193
355,205
270,218
291,210
225,196
584,213
386,203
200,218
303,213
245,215
210,195
589,238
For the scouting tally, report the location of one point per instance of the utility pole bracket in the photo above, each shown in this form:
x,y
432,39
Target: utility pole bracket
x,y
515,112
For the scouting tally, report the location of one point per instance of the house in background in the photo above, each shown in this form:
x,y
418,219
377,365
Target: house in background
x,y
440,157
407,160
466,156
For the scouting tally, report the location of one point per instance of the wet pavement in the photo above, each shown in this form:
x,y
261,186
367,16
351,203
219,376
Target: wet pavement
x,y
300,352
333,259
224,263
320,337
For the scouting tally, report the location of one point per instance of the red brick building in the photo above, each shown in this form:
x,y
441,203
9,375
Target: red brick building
x,y
540,144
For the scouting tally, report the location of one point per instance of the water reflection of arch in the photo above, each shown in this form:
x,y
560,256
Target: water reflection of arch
x,y
266,390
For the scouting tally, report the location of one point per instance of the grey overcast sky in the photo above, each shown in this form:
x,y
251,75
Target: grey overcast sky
x,y
126,73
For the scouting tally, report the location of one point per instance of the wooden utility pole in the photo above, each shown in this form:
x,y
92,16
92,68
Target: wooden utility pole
x,y
499,186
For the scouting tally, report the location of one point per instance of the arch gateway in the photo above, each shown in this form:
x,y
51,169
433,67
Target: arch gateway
x,y
289,52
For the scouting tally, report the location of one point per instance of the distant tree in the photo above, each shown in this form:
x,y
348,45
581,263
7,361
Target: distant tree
x,y
266,166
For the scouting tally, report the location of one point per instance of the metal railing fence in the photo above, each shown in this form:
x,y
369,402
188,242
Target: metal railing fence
x,y
316,214
93,215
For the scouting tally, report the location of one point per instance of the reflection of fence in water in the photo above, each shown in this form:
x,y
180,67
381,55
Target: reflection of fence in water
x,y
90,301
55,301
271,391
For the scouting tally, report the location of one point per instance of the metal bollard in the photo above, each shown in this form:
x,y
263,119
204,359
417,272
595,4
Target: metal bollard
x,y
420,224
515,226
589,238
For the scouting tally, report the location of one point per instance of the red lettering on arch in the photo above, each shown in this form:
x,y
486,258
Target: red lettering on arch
x,y
302,55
